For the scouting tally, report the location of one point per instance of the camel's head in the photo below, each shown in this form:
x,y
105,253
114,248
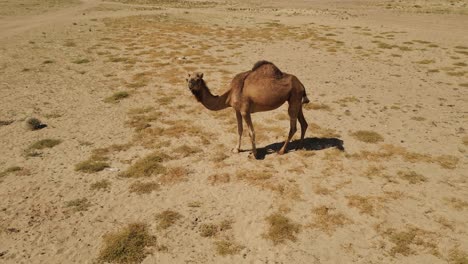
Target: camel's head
x,y
195,82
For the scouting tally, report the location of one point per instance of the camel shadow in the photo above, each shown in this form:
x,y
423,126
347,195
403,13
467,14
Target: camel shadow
x,y
309,144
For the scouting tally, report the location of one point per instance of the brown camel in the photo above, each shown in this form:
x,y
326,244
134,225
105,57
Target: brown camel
x,y
263,88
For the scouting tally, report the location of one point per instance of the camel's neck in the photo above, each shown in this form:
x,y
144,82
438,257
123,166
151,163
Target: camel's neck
x,y
211,101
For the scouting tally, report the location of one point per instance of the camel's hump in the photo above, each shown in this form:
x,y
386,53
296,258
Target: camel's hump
x,y
267,68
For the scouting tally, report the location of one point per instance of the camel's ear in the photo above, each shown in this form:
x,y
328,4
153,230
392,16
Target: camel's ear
x,y
200,75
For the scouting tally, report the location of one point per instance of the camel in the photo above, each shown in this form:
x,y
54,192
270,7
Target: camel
x,y
264,88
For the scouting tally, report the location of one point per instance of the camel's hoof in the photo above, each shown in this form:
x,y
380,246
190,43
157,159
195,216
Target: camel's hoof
x,y
235,150
281,152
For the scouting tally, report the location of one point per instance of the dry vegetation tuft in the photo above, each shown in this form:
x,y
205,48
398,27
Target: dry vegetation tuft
x,y
9,170
412,177
363,204
208,230
281,229
91,166
405,240
45,143
78,205
101,185
147,166
117,97
127,245
143,187
34,123
167,218
227,247
328,221
456,256
456,203
367,136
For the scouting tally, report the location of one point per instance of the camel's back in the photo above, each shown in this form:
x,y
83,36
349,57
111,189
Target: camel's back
x,y
267,85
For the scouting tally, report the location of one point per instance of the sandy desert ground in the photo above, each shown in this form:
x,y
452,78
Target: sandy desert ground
x,y
131,168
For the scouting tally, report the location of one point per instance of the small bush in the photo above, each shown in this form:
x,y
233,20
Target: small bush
x,y
167,218
34,124
127,245
281,229
146,167
208,230
227,247
143,187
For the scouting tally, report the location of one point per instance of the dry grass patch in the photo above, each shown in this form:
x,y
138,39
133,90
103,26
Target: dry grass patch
x,y
456,256
412,177
367,136
406,241
418,118
425,62
185,150
208,230
45,143
6,122
117,97
78,205
362,203
9,170
143,187
101,185
374,171
128,245
147,166
33,149
328,221
167,218
227,247
91,166
456,203
281,229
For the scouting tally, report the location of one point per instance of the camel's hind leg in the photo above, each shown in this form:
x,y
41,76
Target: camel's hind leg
x,y
239,131
293,112
304,126
248,121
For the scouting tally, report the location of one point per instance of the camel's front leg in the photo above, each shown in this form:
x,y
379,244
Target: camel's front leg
x,y
239,131
248,121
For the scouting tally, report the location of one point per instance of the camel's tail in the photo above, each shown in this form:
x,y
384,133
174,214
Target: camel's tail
x,y
305,100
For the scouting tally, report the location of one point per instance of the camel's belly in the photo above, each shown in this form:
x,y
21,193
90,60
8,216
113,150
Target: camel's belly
x,y
255,107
